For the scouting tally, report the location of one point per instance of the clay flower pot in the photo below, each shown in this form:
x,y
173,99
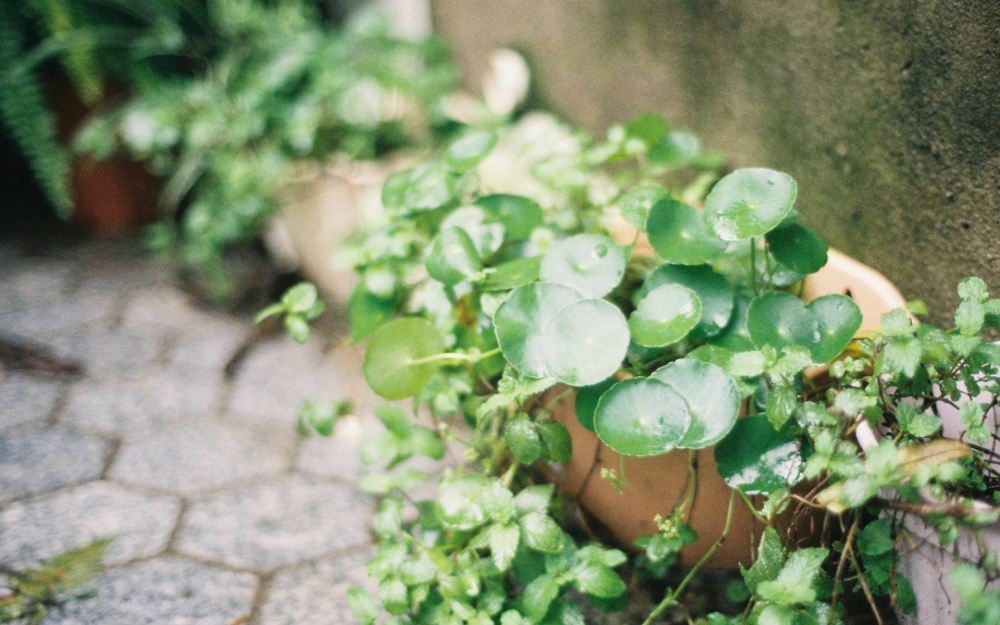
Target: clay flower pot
x,y
656,484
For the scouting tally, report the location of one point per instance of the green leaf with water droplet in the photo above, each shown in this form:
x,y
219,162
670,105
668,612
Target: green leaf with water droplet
x,y
678,235
712,398
519,321
590,263
642,417
748,203
585,342
756,458
664,316
712,288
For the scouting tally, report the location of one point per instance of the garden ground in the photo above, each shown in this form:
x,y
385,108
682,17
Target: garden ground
x,y
221,514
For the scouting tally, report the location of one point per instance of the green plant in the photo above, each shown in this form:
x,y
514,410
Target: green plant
x,y
88,37
508,307
31,593
276,86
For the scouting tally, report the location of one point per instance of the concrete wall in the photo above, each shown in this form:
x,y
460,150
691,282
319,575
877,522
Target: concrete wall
x,y
887,112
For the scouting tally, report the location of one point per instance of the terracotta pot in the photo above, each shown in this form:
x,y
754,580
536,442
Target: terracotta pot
x,y
110,197
656,484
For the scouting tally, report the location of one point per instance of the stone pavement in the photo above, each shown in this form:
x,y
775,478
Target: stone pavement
x,y
221,514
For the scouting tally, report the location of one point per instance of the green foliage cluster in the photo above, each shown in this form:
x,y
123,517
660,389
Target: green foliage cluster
x,y
490,308
269,86
31,593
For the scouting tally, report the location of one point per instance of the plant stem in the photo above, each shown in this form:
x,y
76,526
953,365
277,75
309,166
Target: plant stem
x,y
455,357
837,581
508,475
671,598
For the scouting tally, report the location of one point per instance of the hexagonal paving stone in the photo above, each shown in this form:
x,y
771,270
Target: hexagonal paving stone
x,y
210,345
313,594
279,375
192,459
59,318
37,461
153,399
44,527
105,351
277,523
27,400
164,591
30,283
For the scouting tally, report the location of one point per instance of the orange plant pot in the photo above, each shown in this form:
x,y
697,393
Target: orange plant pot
x,y
657,484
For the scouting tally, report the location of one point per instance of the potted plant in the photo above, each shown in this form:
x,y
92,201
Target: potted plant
x,y
43,104
277,89
507,306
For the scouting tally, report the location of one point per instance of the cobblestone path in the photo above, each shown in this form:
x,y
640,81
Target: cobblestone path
x,y
221,514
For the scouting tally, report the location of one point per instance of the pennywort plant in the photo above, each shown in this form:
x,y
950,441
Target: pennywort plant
x,y
667,310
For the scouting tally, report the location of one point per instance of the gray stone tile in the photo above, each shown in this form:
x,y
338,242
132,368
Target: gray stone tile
x,y
59,318
27,400
153,399
339,456
103,351
37,461
165,307
313,594
32,283
280,375
164,591
280,522
195,458
209,346
43,527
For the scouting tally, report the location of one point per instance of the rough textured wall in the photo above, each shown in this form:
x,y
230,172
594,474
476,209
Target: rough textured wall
x,y
887,112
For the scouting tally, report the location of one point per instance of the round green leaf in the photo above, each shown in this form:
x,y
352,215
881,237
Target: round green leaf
x,y
664,316
586,402
677,233
780,319
519,321
513,274
585,342
590,263
735,336
519,215
712,289
756,459
635,204
748,203
648,128
838,318
487,235
711,396
467,152
677,149
460,502
389,365
452,257
798,248
642,417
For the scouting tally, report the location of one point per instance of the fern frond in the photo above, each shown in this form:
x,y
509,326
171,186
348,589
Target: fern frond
x,y
26,114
